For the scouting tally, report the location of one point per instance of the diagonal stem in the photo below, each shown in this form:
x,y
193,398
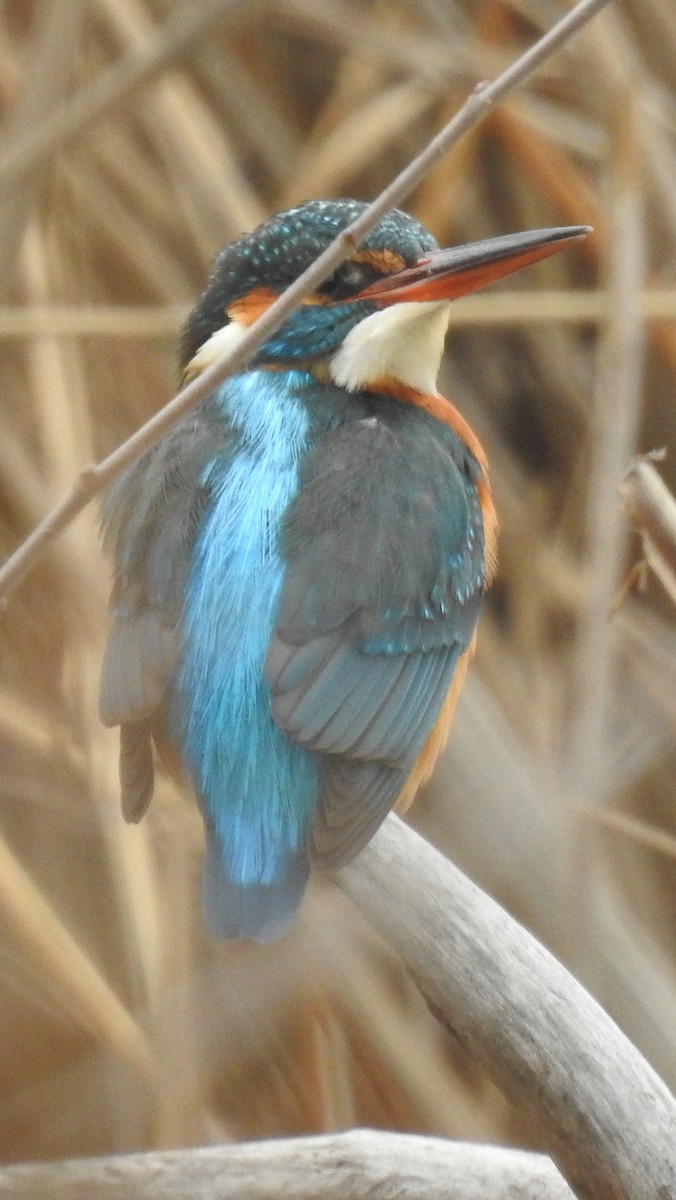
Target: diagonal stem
x,y
97,477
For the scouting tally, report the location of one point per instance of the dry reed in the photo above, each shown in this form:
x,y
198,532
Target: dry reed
x,y
123,1027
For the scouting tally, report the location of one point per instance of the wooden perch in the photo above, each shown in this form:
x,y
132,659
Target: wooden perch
x,y
603,1114
359,1165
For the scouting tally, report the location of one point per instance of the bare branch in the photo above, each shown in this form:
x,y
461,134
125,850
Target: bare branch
x,y
95,478
361,1164
603,1114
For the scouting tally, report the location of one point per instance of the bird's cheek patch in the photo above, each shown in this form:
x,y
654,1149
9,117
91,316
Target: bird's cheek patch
x,y
249,308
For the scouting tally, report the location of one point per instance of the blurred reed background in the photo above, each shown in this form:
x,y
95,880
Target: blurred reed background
x,y
138,137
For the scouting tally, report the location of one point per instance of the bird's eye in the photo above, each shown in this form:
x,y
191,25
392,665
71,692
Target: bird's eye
x,y
348,279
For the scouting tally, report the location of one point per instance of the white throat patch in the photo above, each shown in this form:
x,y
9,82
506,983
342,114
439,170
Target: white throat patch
x,y
404,341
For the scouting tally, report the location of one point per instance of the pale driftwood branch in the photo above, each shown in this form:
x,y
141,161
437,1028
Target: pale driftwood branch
x,y
499,791
358,1165
603,1114
651,510
95,478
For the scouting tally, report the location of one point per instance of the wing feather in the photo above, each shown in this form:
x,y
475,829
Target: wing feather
x,y
139,659
150,520
403,718
354,798
137,771
383,581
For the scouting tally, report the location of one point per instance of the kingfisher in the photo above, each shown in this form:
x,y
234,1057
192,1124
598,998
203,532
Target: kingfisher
x,y
299,564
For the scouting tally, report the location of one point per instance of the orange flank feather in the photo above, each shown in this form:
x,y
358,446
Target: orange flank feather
x,y
427,759
437,406
442,409
490,530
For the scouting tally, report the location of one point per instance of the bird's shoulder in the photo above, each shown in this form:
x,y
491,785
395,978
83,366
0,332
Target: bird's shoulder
x,y
150,518
383,549
387,522
152,512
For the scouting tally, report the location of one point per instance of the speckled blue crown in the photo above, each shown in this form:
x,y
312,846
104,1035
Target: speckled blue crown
x,y
280,249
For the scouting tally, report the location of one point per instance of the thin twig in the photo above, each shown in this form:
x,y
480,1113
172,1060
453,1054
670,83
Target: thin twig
x,y
631,827
614,429
95,478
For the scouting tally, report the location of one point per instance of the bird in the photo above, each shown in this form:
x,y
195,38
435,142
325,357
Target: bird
x,y
299,564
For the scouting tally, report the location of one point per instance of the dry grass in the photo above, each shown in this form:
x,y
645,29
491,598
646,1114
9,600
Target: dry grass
x,y
122,1026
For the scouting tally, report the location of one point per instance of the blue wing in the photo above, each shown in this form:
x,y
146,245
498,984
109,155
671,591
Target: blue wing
x,y
359,614
150,520
197,576
384,557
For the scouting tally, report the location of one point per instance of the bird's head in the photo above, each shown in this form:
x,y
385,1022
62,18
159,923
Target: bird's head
x,y
382,314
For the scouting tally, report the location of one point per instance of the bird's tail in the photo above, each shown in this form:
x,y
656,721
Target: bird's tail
x,y
258,911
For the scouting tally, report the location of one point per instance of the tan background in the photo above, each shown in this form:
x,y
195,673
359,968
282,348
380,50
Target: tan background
x,y
134,145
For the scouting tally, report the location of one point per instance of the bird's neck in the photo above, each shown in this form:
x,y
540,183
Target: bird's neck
x,y
257,403
404,342
438,407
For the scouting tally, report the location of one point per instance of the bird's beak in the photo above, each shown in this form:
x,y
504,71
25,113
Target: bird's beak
x,y
447,274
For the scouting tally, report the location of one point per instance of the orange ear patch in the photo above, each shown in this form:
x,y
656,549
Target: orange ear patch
x,y
249,308
426,760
